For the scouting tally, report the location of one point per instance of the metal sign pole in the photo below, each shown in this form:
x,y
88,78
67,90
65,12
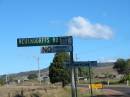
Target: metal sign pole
x,y
75,77
39,73
72,73
72,82
91,91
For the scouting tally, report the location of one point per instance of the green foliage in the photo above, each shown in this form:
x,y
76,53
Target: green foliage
x,y
125,78
2,82
32,76
18,95
83,71
2,79
123,67
120,65
128,67
21,94
57,71
109,75
37,94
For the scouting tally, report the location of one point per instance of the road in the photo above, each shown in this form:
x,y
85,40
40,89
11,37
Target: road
x,y
123,89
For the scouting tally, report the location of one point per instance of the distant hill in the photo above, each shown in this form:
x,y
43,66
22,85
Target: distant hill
x,y
106,67
101,67
44,72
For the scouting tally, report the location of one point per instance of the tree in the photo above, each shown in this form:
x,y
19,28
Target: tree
x,y
57,71
120,65
2,82
83,71
2,79
128,67
123,67
32,76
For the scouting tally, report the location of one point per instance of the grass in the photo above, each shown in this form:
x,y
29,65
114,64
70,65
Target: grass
x,y
83,92
104,81
49,91
40,91
34,91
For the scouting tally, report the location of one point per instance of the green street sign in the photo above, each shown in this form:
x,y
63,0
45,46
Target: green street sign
x,y
42,41
82,63
85,63
57,48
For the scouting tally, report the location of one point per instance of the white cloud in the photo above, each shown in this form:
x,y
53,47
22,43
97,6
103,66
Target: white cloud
x,y
83,28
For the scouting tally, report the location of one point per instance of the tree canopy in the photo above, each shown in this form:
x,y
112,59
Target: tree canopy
x,y
123,67
120,65
57,71
83,71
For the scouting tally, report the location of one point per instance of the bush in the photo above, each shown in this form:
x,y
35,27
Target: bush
x,y
104,82
18,95
2,82
21,94
32,76
125,78
37,94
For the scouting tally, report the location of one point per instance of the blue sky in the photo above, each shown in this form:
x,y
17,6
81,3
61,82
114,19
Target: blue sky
x,y
103,27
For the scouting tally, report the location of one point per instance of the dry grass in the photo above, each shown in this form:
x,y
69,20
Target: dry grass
x,y
51,91
34,91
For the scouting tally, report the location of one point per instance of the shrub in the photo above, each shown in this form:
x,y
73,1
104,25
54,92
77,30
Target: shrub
x,y
2,82
20,95
32,76
37,94
125,78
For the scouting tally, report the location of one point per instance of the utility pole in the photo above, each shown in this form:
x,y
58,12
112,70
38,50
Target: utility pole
x,y
75,78
39,76
91,91
6,79
39,73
